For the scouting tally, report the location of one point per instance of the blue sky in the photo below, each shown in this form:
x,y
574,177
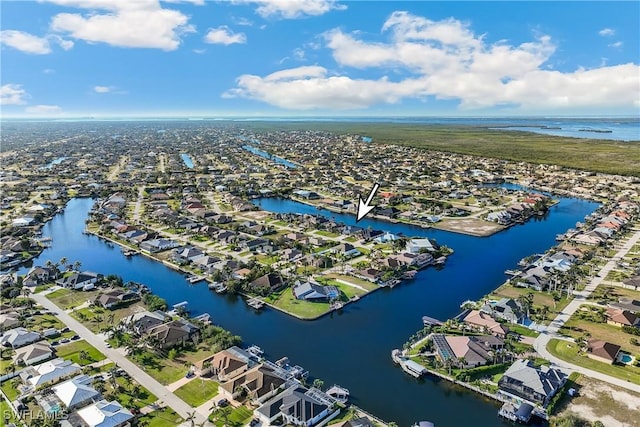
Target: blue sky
x,y
318,57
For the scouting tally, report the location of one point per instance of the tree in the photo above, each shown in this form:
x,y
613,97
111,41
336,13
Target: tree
x,y
318,383
63,262
222,412
77,265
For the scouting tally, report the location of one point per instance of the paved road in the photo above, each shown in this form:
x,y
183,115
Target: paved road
x,y
163,394
551,331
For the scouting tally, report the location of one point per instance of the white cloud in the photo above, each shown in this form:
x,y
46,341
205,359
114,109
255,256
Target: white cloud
x,y
102,89
139,23
606,32
25,42
242,21
443,60
291,9
12,94
48,71
616,45
196,2
43,109
223,35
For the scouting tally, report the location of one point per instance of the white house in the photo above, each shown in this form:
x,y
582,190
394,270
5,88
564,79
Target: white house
x,y
415,246
103,413
76,392
33,353
79,280
50,372
19,337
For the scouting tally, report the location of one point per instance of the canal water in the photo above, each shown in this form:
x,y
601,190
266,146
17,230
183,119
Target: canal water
x,y
273,158
188,162
353,347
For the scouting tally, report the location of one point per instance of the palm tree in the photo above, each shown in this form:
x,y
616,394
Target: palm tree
x,y
83,355
191,417
63,262
77,265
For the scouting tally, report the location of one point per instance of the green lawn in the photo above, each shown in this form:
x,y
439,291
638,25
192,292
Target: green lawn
x,y
67,298
72,351
163,370
355,280
5,409
165,417
304,309
129,399
522,330
568,352
197,391
9,390
238,417
326,233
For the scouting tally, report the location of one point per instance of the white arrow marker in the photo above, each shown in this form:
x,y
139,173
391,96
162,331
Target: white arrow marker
x,y
363,207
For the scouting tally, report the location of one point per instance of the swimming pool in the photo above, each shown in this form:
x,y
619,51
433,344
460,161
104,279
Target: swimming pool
x,y
626,359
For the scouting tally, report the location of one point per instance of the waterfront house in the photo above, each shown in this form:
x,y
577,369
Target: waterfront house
x,y
33,353
466,351
49,372
416,246
19,337
76,392
225,364
115,297
346,250
171,334
103,414
603,351
143,321
267,284
260,383
619,317
507,309
314,292
158,245
186,255
296,405
480,321
41,274
534,384
206,263
79,280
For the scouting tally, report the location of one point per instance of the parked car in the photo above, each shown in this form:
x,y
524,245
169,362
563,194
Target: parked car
x,y
75,337
254,422
223,402
189,374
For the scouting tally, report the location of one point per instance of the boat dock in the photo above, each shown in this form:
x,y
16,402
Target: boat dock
x,y
204,318
255,302
195,279
412,368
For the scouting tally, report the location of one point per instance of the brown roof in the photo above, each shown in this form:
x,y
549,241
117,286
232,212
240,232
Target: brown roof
x,y
603,349
622,316
258,381
221,362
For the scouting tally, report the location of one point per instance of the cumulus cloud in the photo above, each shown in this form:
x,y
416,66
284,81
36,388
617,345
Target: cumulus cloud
x,y
43,109
223,35
606,32
25,42
616,45
125,23
291,9
444,60
12,94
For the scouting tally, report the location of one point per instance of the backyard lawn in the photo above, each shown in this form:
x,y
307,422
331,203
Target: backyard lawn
x,y
165,417
72,352
67,298
577,327
197,391
286,301
238,417
164,370
568,352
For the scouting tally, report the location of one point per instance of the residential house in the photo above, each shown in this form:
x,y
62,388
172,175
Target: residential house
x,y
33,353
628,304
314,292
346,250
603,351
416,246
187,254
158,245
173,333
483,322
619,317
225,364
466,351
19,337
143,321
76,392
79,280
507,309
260,383
267,284
115,297
105,414
49,372
9,320
296,406
206,263
534,384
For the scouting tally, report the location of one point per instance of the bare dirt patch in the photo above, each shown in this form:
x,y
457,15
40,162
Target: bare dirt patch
x,y
472,226
597,400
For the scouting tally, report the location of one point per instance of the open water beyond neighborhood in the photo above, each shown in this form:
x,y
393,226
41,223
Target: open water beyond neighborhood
x,y
351,347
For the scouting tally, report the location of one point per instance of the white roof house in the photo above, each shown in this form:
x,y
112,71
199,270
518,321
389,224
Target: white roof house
x,y
76,392
105,414
52,371
19,337
414,246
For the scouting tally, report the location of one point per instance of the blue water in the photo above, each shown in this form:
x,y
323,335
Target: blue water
x,y
187,160
276,159
353,347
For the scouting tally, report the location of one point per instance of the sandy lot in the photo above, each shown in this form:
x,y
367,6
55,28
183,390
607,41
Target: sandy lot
x,y
472,226
613,406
